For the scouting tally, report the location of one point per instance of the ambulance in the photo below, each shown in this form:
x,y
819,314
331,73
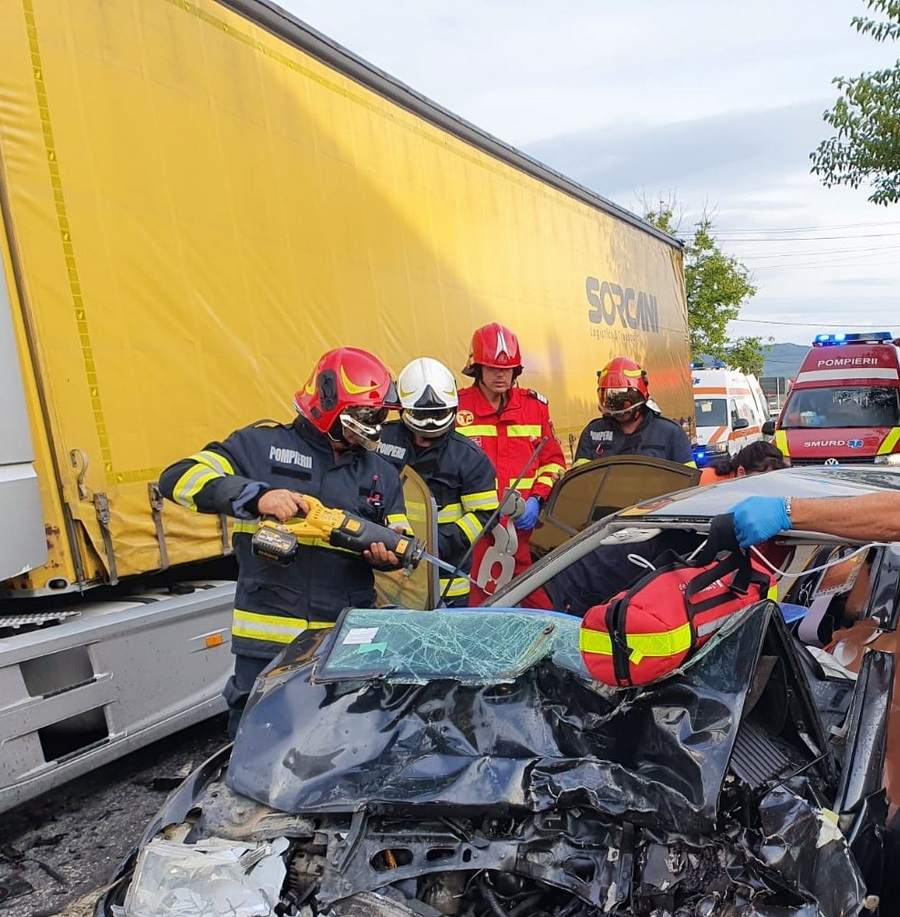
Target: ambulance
x,y
844,405
730,410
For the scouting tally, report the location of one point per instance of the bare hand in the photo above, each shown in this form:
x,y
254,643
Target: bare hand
x,y
379,555
282,504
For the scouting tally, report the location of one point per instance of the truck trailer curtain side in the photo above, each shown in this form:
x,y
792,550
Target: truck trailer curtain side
x,y
198,199
197,208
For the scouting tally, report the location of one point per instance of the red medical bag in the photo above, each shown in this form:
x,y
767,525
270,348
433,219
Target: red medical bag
x,y
646,632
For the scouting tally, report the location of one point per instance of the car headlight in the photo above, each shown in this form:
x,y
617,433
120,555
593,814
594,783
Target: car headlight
x,y
716,448
212,877
892,459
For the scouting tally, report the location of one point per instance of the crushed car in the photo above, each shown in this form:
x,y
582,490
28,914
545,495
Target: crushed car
x,y
463,761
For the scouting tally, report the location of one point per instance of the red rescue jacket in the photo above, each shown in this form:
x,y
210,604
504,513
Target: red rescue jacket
x,y
510,436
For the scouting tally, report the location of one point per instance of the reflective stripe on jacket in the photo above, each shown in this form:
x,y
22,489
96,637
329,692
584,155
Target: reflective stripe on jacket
x,y
510,437
462,481
274,603
657,437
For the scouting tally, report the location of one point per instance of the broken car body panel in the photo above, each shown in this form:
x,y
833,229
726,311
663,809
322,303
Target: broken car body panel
x,y
463,762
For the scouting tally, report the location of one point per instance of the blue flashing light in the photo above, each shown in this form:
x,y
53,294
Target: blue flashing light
x,y
856,337
700,456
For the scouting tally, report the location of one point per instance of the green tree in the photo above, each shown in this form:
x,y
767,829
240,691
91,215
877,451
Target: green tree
x,y
716,286
747,354
866,118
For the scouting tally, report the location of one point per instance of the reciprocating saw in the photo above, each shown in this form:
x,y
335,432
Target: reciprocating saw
x,y
277,541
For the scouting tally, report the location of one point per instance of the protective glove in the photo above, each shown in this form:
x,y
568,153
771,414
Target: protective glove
x,y
528,520
757,519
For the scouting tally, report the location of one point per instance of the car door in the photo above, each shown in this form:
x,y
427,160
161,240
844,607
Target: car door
x,y
589,492
418,588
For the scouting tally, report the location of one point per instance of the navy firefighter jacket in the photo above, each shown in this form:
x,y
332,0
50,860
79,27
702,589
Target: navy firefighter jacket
x,y
463,482
274,603
657,437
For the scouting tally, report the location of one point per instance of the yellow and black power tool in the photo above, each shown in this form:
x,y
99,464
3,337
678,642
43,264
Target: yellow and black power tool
x,y
277,541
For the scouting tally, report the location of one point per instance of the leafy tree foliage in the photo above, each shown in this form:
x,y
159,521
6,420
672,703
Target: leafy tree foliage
x,y
866,120
716,287
747,354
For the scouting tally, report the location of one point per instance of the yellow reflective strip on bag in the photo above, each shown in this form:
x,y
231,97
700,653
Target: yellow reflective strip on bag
x,y
483,429
484,499
524,429
215,461
191,483
450,513
666,643
470,526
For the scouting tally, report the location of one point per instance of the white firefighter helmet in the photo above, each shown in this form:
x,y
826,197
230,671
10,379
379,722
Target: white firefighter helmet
x,y
428,397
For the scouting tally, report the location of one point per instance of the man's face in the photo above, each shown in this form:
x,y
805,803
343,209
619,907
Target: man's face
x,y
495,380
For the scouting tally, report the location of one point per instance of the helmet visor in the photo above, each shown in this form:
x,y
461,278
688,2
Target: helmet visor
x,y
362,425
619,400
429,422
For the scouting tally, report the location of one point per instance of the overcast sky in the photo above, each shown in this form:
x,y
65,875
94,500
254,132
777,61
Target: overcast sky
x,y
716,103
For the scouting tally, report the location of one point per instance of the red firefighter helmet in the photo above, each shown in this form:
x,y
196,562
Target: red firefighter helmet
x,y
621,387
348,396
494,345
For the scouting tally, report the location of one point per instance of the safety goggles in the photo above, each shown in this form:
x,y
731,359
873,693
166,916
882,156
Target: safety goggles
x,y
362,424
430,419
619,400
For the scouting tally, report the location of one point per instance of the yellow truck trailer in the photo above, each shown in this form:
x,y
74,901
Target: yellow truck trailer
x,y
198,198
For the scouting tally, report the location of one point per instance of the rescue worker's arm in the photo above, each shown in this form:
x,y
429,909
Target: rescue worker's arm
x,y
680,450
873,517
213,481
584,452
550,463
459,524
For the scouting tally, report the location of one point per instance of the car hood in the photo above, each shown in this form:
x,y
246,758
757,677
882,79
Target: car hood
x,y
534,739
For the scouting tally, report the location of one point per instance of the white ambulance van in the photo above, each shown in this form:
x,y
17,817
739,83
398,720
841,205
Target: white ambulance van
x,y
730,409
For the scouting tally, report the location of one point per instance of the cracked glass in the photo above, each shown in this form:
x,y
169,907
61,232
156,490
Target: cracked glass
x,y
470,646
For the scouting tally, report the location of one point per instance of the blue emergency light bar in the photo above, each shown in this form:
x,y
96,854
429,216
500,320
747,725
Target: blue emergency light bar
x,y
716,364
856,337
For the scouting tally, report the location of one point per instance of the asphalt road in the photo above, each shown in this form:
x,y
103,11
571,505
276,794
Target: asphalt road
x,y
58,852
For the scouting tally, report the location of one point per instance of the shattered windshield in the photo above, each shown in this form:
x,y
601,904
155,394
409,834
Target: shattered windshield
x,y
472,647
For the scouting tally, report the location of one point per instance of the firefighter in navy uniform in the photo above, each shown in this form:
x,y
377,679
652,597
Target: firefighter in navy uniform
x,y
459,475
265,470
631,423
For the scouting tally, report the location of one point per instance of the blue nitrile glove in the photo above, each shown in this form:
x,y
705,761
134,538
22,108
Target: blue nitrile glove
x,y
528,520
757,519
